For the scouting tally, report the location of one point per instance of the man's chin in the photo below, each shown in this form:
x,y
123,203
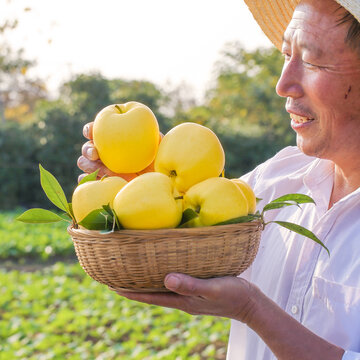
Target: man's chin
x,y
305,148
310,149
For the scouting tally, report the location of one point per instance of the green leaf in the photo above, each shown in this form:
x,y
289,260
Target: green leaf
x,y
106,231
96,220
67,216
302,231
38,216
70,215
278,205
238,220
298,198
108,209
53,190
117,222
188,214
112,217
71,212
89,177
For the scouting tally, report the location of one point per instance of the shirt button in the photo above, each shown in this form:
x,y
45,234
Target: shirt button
x,y
294,309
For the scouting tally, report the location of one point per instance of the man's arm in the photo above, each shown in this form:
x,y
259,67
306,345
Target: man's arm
x,y
238,299
285,336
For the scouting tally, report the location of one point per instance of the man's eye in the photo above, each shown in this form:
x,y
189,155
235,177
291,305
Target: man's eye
x,y
313,66
286,56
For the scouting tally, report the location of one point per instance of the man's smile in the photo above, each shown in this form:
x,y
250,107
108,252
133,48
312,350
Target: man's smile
x,y
300,119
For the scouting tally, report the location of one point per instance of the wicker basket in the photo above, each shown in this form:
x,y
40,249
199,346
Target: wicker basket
x,y
138,260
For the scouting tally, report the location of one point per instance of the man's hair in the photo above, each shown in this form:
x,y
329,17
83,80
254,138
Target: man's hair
x,y
353,35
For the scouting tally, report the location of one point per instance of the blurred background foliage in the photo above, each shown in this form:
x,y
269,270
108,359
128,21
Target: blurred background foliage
x,y
241,106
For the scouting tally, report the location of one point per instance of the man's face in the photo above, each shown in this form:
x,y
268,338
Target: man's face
x,y
321,81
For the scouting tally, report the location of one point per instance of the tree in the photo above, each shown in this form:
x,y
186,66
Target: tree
x,y
18,92
85,95
245,91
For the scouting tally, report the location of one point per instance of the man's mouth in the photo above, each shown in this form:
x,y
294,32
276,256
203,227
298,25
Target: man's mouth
x,y
300,119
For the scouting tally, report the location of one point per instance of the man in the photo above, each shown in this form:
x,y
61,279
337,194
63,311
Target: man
x,y
296,302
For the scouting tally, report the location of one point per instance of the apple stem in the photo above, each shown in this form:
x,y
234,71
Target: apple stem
x,y
178,197
119,108
173,173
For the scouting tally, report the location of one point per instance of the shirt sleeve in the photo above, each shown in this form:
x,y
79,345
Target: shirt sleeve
x,y
350,355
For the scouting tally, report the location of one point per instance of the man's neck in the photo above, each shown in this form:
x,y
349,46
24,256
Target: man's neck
x,y
345,182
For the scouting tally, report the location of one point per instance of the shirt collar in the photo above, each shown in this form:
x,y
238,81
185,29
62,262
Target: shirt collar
x,y
319,180
319,171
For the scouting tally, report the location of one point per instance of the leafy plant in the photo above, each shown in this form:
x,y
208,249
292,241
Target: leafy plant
x,y
58,312
283,201
18,245
56,195
105,219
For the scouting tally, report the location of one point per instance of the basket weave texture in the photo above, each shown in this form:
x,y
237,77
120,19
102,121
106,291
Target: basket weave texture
x,y
138,260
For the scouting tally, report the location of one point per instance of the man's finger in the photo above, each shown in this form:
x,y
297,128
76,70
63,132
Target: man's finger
x,y
89,166
81,176
88,130
89,151
170,300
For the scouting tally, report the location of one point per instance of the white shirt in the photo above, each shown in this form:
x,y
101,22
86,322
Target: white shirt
x,y
321,292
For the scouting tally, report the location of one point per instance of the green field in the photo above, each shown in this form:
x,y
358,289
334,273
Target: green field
x,y
50,309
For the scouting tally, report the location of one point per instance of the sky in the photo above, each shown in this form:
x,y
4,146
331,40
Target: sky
x,y
168,42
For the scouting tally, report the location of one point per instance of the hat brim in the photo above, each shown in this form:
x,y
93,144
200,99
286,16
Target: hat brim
x,y
273,16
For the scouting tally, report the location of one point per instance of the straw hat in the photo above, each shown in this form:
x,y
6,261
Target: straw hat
x,y
273,16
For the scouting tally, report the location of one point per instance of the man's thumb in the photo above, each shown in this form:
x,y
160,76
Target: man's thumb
x,y
185,284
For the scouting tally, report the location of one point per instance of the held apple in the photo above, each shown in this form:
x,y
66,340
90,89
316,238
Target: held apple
x,y
190,153
215,200
150,168
92,195
148,202
248,192
126,137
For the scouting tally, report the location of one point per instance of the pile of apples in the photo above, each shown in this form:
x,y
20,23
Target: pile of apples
x,y
179,171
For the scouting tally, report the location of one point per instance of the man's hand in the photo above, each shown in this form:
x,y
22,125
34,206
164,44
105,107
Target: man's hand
x,y
229,297
238,299
89,161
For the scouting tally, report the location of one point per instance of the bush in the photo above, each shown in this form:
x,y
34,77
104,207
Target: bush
x,y
54,141
58,138
17,159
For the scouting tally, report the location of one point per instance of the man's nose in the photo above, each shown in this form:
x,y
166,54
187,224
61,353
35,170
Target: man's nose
x,y
290,83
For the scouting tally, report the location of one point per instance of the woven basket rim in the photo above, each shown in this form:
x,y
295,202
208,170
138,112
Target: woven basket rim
x,y
138,260
171,231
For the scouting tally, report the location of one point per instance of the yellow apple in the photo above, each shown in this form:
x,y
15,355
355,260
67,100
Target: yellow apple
x,y
215,200
148,202
150,168
190,153
92,195
248,192
126,137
